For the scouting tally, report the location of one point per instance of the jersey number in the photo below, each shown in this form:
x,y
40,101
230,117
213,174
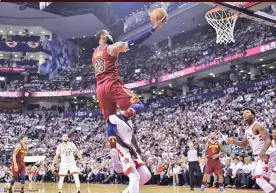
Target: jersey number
x,y
99,66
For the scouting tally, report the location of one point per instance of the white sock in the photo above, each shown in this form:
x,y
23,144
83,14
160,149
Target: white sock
x,y
267,188
77,181
60,183
145,175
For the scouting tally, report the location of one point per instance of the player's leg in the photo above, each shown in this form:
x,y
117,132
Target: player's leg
x,y
126,100
262,177
134,181
218,171
63,171
74,171
15,177
208,171
145,174
108,108
22,177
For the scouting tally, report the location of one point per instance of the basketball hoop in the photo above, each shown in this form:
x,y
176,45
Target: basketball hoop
x,y
224,24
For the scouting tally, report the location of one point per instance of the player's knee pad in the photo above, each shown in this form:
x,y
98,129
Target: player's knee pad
x,y
138,107
22,178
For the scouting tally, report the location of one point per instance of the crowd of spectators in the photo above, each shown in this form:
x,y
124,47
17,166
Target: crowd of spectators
x,y
145,62
27,63
171,128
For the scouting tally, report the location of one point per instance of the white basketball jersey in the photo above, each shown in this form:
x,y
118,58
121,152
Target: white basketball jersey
x,y
273,143
67,152
256,141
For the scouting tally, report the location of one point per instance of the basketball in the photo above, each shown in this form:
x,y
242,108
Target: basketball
x,y
158,13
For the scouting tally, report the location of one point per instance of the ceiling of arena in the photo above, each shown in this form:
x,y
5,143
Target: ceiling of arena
x,y
77,21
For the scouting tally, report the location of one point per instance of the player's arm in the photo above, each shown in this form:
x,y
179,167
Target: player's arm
x,y
242,143
58,152
118,47
76,150
127,146
205,150
221,151
135,144
15,152
265,136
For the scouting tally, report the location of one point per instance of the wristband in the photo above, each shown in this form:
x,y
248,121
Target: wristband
x,y
141,38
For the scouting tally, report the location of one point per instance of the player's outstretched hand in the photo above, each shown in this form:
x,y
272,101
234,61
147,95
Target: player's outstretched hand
x,y
160,23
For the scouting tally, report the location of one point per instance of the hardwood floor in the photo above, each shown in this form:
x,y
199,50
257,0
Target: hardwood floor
x,y
97,188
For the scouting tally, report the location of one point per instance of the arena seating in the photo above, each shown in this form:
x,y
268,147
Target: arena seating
x,y
170,127
198,49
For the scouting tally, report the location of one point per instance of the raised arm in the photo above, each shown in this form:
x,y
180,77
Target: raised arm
x,y
119,47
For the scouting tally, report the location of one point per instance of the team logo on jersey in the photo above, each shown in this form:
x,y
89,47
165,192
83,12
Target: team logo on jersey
x,y
67,151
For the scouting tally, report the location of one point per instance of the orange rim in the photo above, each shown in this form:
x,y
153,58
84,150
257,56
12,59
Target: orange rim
x,y
217,10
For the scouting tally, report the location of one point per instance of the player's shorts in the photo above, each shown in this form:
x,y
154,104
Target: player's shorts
x,y
66,167
127,161
21,169
112,95
264,169
213,166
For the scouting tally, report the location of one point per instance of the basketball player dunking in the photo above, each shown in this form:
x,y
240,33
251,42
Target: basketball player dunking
x,y
18,164
213,165
258,138
66,151
111,92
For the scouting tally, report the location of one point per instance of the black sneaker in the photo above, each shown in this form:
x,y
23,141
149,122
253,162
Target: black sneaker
x,y
78,191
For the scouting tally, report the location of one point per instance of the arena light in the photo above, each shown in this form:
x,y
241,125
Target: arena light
x,y
271,67
15,55
75,97
32,56
1,31
20,32
211,74
73,37
241,71
40,56
263,65
83,36
43,32
31,32
261,59
10,32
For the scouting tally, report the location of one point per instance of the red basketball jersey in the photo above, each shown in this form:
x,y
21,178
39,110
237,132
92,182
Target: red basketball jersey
x,y
213,148
21,154
105,65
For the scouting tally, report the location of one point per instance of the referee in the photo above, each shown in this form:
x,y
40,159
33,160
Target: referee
x,y
194,167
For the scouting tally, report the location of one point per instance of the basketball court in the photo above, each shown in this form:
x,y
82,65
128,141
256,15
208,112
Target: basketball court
x,y
98,188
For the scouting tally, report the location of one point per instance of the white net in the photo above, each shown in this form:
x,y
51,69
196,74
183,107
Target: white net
x,y
224,24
